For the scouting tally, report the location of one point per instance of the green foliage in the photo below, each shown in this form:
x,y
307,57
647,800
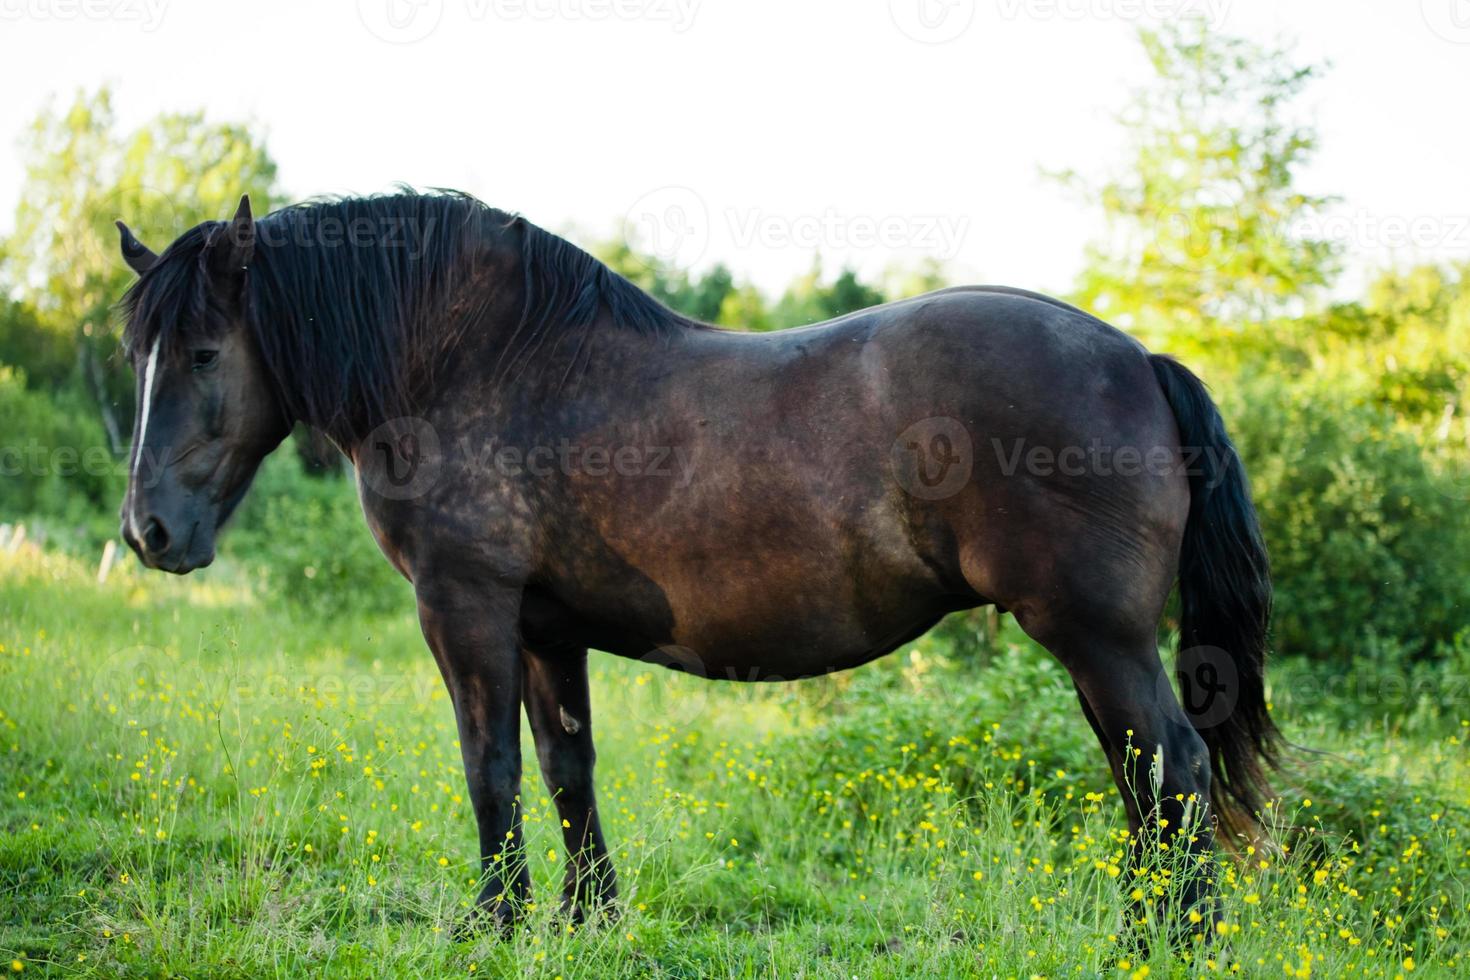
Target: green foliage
x,y
55,461
1367,543
809,300
197,784
946,809
49,359
715,296
63,259
1350,416
1205,242
304,539
698,296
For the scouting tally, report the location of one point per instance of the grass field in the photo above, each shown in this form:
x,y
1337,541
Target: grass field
x,y
192,783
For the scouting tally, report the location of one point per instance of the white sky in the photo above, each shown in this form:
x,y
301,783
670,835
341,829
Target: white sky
x,y
782,126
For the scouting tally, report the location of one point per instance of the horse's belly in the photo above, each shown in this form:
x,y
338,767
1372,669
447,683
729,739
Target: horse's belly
x,y
776,627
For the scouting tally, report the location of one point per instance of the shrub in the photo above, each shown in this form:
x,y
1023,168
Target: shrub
x,y
311,549
55,462
1366,538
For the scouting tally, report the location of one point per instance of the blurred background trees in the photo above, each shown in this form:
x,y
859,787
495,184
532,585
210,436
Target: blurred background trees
x,y
1349,411
61,269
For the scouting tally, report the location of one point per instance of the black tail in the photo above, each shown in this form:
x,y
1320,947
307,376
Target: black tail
x,y
1225,602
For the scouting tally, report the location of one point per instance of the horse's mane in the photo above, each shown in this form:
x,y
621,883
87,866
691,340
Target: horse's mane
x,y
357,302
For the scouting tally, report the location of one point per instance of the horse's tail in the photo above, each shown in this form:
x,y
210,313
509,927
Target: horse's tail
x,y
1225,604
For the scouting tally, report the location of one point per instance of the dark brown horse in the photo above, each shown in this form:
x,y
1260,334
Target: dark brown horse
x,y
558,462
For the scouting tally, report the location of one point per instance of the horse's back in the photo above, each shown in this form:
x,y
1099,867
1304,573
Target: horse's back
x,y
1076,482
817,522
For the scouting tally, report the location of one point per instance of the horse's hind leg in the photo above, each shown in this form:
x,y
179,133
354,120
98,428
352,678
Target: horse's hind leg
x,y
1159,762
560,711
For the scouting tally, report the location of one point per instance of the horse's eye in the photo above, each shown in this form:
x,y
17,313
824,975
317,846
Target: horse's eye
x,y
204,360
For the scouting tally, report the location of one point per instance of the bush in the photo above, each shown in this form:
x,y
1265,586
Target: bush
x,y
1366,536
310,548
55,462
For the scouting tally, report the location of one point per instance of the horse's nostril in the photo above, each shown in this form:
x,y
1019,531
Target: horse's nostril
x,y
155,537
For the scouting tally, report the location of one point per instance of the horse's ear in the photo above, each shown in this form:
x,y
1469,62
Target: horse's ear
x,y
139,257
232,245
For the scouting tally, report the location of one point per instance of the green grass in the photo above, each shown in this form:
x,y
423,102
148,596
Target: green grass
x,y
194,783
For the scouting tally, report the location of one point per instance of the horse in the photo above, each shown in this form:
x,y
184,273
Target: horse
x,y
557,462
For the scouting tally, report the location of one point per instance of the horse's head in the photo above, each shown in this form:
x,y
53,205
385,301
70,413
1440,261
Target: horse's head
x,y
207,409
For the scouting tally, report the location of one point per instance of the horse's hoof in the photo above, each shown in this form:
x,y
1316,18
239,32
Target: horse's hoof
x,y
493,918
579,911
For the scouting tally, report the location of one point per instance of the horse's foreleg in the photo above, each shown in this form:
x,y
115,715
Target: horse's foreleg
x,y
472,632
560,712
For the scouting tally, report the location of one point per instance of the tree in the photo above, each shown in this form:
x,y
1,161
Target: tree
x,y
809,300
744,308
1209,239
81,175
47,357
697,296
903,281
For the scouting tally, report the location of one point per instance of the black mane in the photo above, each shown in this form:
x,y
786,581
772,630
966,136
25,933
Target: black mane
x,y
356,302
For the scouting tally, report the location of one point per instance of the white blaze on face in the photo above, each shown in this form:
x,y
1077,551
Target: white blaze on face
x,y
148,370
